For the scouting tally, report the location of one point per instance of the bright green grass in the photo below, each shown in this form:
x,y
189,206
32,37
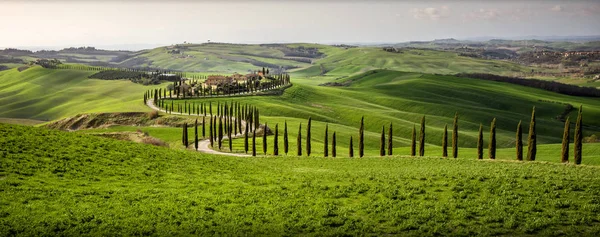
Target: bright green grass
x,y
546,152
402,98
46,94
59,183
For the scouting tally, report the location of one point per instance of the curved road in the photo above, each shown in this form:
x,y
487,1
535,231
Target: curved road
x,y
203,145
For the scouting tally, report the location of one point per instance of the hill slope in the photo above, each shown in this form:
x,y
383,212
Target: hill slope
x,y
45,94
58,183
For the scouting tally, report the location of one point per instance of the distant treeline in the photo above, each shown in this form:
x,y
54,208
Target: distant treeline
x,y
536,83
4,59
139,77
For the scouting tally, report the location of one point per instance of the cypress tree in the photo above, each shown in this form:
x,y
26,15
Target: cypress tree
x,y
564,155
413,142
210,132
480,143
230,140
246,139
519,141
220,138
390,141
422,138
299,140
361,144
203,127
455,136
351,148
275,141
326,142
285,139
492,145
264,145
445,142
186,140
308,148
577,146
196,134
382,142
532,141
333,151
254,143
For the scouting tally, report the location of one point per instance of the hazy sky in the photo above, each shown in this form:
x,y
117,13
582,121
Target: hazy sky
x,y
98,23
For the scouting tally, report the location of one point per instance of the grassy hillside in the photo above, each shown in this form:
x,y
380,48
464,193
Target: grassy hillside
x,y
385,97
46,94
58,183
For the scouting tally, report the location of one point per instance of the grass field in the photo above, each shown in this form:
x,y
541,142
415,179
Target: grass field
x,y
385,97
65,183
46,94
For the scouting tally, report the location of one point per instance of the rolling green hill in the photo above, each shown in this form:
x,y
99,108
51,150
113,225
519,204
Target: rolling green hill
x,y
59,183
46,94
402,98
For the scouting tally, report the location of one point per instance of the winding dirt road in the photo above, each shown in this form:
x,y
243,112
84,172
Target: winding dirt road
x,y
203,145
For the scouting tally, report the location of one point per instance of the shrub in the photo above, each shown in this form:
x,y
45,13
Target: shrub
x,y
152,115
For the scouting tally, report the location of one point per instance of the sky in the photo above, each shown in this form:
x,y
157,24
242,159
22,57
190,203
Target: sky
x,y
126,23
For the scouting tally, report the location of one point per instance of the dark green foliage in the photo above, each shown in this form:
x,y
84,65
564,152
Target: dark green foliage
x,y
480,143
382,142
275,141
422,138
285,139
455,136
361,138
211,133
186,139
299,141
492,145
390,141
532,140
333,148
445,142
308,147
578,142
203,127
254,143
413,141
326,142
351,148
519,141
564,155
264,145
220,135
196,134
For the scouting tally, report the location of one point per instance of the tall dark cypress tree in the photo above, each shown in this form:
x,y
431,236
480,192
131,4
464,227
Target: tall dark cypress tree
x,y
382,142
480,143
351,148
532,141
361,133
333,150
445,142
492,145
246,139
455,136
264,145
186,136
196,134
211,132
326,142
275,141
203,127
422,138
578,142
285,139
390,141
220,141
299,140
230,139
413,141
564,155
519,141
308,147
254,143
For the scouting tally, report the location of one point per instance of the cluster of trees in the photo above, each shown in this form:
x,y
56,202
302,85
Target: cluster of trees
x,y
145,78
541,84
234,114
48,63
